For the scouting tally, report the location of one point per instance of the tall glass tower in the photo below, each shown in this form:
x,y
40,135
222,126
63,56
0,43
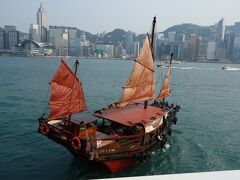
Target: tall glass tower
x,y
42,22
220,30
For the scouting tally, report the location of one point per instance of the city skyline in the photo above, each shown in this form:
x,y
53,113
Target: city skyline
x,y
99,16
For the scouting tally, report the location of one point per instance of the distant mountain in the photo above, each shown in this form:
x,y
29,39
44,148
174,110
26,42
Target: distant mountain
x,y
114,37
188,29
89,36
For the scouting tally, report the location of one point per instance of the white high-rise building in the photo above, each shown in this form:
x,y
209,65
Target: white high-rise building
x,y
211,47
236,48
220,30
171,36
34,32
128,42
58,36
42,23
136,49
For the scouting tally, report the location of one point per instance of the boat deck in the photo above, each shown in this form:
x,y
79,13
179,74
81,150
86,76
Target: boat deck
x,y
131,114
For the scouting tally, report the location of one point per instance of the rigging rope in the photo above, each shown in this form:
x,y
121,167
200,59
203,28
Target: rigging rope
x,y
44,106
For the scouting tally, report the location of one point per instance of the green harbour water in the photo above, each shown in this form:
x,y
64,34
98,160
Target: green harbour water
x,y
206,137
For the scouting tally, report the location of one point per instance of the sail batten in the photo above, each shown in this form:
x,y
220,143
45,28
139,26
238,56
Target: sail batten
x,y
67,96
140,85
143,65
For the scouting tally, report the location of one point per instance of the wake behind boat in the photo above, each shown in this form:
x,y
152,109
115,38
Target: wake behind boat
x,y
121,134
173,62
229,68
226,67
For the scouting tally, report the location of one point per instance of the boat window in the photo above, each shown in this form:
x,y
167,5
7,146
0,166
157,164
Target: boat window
x,y
104,122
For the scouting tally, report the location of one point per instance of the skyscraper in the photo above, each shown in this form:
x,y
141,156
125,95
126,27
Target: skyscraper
x,y
171,36
42,22
65,39
11,37
128,42
220,30
236,48
34,32
192,45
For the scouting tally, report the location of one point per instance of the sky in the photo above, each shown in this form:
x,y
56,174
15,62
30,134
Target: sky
x,y
106,15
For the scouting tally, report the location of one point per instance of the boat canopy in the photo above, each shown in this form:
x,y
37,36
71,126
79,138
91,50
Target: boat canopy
x,y
140,85
66,93
132,114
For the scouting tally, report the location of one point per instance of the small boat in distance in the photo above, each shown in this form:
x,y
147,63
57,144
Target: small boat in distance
x,y
226,68
123,133
173,62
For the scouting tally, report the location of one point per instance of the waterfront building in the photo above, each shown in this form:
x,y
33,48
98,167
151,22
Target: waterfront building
x,y
211,47
221,54
83,38
9,28
236,48
11,37
34,33
65,39
73,42
118,50
23,36
42,23
32,48
171,36
237,28
2,38
180,38
159,36
229,41
202,56
175,49
128,42
105,50
192,47
201,49
136,49
220,30
58,36
220,36
85,48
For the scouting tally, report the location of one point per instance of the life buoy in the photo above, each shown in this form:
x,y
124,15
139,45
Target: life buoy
x,y
76,144
44,129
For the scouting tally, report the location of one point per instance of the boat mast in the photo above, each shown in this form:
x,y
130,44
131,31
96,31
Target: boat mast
x,y
153,31
76,66
75,72
152,39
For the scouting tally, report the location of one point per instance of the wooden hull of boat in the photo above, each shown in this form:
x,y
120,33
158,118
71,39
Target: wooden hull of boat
x,y
123,152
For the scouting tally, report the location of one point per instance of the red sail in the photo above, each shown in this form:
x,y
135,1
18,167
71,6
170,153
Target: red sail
x,y
165,91
66,93
140,85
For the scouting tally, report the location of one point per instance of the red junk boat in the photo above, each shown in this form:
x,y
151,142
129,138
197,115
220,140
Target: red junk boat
x,y
122,134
